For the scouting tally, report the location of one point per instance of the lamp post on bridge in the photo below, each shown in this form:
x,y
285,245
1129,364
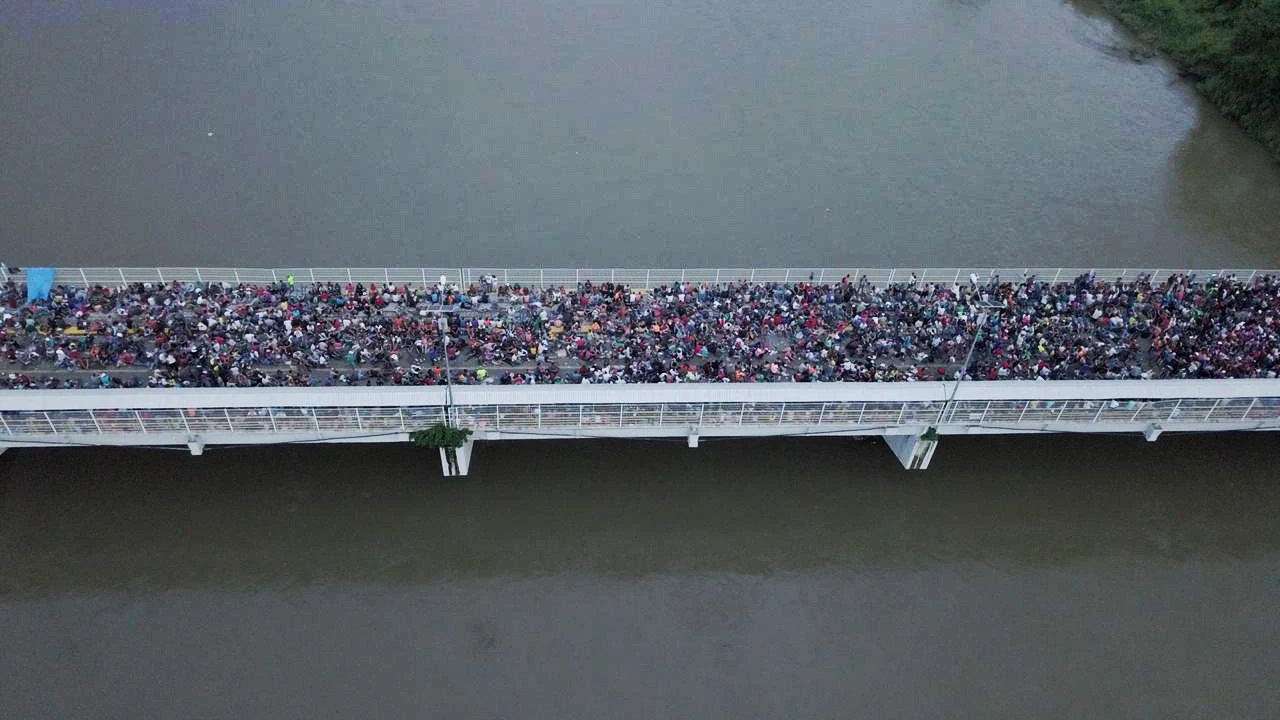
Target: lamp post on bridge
x,y
453,442
987,310
442,324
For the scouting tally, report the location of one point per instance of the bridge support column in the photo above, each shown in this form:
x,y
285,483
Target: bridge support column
x,y
463,455
1151,432
913,451
693,439
195,446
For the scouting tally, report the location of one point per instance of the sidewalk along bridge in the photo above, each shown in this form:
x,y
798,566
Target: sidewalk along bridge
x,y
634,277
911,417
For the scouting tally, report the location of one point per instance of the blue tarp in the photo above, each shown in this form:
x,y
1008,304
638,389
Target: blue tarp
x,y
39,281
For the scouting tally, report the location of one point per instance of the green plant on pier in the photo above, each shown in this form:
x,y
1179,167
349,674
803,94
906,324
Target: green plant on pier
x,y
443,437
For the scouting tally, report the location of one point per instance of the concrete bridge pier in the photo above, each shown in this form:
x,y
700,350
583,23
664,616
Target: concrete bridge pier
x,y
914,451
195,446
464,460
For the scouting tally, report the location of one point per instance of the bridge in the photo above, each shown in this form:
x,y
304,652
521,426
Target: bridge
x,y
911,417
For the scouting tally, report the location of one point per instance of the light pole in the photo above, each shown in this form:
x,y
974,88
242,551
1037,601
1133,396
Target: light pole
x,y
442,324
988,309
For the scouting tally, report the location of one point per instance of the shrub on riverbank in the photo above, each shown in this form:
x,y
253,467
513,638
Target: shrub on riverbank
x,y
1232,48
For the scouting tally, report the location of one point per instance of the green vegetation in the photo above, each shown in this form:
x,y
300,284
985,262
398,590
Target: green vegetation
x,y
440,436
445,437
1231,48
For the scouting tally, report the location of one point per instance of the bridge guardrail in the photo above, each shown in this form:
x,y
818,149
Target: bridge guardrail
x,y
82,425
636,277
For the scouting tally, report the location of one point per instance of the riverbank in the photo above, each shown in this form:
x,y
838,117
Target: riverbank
x,y
1229,48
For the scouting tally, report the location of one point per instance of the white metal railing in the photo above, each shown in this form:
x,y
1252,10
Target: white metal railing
x,y
642,277
1030,414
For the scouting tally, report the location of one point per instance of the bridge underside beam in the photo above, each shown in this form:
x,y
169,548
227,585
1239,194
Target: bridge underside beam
x,y
913,451
460,464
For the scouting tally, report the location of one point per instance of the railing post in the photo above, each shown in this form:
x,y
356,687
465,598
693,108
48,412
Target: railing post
x,y
862,411
359,424
742,415
782,412
231,425
1141,406
142,424
51,425
985,410
1025,408
386,276
84,277
198,277
94,417
702,409
348,276
122,280
274,277
662,411
648,284
7,431
891,272
1056,276
1249,409
822,413
580,411
1059,417
1102,406
236,272
400,413
717,276
1212,410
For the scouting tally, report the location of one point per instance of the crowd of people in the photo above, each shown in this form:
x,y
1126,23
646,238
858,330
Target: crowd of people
x,y
213,335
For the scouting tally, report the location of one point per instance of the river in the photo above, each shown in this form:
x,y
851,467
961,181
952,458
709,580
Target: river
x,y
1019,577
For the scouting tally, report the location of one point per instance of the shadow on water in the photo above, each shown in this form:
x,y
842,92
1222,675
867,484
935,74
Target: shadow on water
x,y
76,521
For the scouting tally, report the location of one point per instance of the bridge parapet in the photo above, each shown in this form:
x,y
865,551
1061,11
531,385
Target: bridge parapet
x,y
200,417
635,277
